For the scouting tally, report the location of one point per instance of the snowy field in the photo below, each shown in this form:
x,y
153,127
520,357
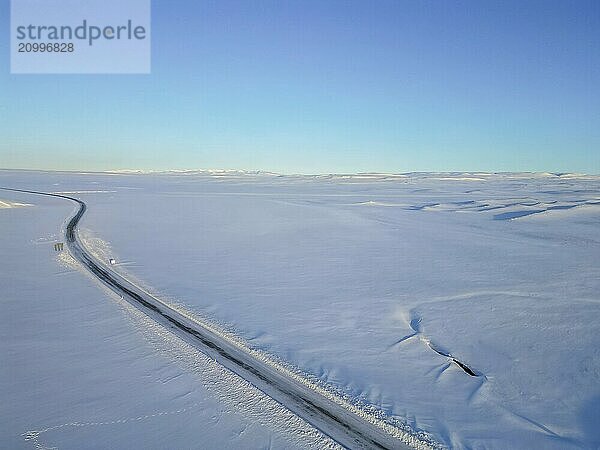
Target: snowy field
x,y
464,305
82,369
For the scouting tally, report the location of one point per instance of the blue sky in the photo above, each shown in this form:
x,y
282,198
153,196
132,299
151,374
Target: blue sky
x,y
327,86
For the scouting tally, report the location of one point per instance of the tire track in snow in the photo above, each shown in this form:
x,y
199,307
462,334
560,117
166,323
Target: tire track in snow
x,y
35,435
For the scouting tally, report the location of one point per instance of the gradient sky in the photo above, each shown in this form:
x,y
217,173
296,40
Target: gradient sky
x,y
317,86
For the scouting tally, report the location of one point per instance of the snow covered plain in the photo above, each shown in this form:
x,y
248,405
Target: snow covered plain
x,y
368,282
81,368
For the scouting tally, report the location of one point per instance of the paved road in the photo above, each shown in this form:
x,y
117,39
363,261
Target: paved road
x,y
323,410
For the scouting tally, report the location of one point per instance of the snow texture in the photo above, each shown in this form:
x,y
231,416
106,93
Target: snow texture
x,y
388,288
82,368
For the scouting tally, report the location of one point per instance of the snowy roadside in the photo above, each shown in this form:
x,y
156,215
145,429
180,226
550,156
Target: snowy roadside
x,y
83,369
367,282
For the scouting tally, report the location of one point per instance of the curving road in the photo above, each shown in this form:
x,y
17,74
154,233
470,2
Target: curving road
x,y
325,411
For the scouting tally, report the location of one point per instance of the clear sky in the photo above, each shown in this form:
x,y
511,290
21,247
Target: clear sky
x,y
313,86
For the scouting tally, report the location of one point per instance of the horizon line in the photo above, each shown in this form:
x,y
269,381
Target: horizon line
x,y
129,171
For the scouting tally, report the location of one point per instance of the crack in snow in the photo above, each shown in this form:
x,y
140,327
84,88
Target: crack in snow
x,y
415,324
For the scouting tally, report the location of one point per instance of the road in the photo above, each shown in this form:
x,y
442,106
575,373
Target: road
x,y
328,412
